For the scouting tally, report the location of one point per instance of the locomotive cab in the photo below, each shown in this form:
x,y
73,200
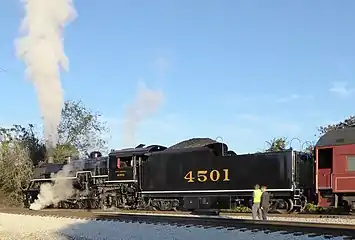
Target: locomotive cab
x,y
125,165
124,174
121,167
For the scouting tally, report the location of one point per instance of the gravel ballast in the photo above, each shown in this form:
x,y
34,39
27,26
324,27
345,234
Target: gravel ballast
x,y
337,220
13,226
327,220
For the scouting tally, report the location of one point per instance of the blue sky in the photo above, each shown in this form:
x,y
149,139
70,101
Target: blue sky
x,y
244,70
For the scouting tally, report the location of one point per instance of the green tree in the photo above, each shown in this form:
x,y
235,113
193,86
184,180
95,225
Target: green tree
x,y
62,151
346,123
27,137
276,144
15,166
81,130
21,148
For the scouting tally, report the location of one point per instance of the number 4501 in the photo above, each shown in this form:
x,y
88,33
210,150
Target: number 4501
x,y
203,176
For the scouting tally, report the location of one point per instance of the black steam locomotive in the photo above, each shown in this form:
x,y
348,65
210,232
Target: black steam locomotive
x,y
199,173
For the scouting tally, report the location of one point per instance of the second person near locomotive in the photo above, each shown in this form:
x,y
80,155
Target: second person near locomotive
x,y
264,203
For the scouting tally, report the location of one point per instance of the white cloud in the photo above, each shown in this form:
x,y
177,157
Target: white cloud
x,y
249,117
147,102
269,123
288,127
162,129
262,128
162,65
292,97
246,133
342,89
289,98
137,114
261,99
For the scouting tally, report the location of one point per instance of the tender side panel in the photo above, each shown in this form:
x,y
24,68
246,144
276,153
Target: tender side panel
x,y
201,170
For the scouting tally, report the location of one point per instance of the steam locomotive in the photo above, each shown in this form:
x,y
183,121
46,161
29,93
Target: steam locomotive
x,y
199,173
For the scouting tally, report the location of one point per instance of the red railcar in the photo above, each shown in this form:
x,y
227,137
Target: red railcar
x,y
335,168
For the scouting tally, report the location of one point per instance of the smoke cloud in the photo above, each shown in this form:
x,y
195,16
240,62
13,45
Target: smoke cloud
x,y
146,103
42,50
53,193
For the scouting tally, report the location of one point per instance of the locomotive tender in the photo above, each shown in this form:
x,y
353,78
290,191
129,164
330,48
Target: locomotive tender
x,y
194,174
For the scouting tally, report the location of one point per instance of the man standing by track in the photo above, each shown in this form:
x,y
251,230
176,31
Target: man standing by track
x,y
256,202
265,202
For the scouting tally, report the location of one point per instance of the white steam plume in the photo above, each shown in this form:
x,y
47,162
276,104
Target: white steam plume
x,y
53,193
41,48
147,102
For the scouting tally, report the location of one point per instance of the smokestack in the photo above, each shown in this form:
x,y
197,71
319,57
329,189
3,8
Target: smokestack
x,y
41,48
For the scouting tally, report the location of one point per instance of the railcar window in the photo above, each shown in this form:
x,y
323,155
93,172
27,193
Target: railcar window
x,y
124,161
351,163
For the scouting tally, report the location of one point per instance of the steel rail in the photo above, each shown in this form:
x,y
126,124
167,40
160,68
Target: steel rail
x,y
222,213
224,222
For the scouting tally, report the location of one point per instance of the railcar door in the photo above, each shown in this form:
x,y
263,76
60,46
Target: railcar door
x,y
325,167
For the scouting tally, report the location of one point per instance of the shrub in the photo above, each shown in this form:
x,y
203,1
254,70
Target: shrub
x,y
310,208
240,209
15,171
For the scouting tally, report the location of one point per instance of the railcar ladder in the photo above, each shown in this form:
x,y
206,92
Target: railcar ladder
x,y
297,194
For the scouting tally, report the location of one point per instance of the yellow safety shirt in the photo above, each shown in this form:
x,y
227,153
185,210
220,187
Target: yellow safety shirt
x,y
257,196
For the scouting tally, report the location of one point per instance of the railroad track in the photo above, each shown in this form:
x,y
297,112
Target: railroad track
x,y
226,214
222,213
224,222
296,215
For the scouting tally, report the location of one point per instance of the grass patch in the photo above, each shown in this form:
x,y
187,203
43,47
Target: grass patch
x,y
239,209
311,208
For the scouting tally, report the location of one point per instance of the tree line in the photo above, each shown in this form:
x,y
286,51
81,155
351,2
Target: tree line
x,y
81,130
22,149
